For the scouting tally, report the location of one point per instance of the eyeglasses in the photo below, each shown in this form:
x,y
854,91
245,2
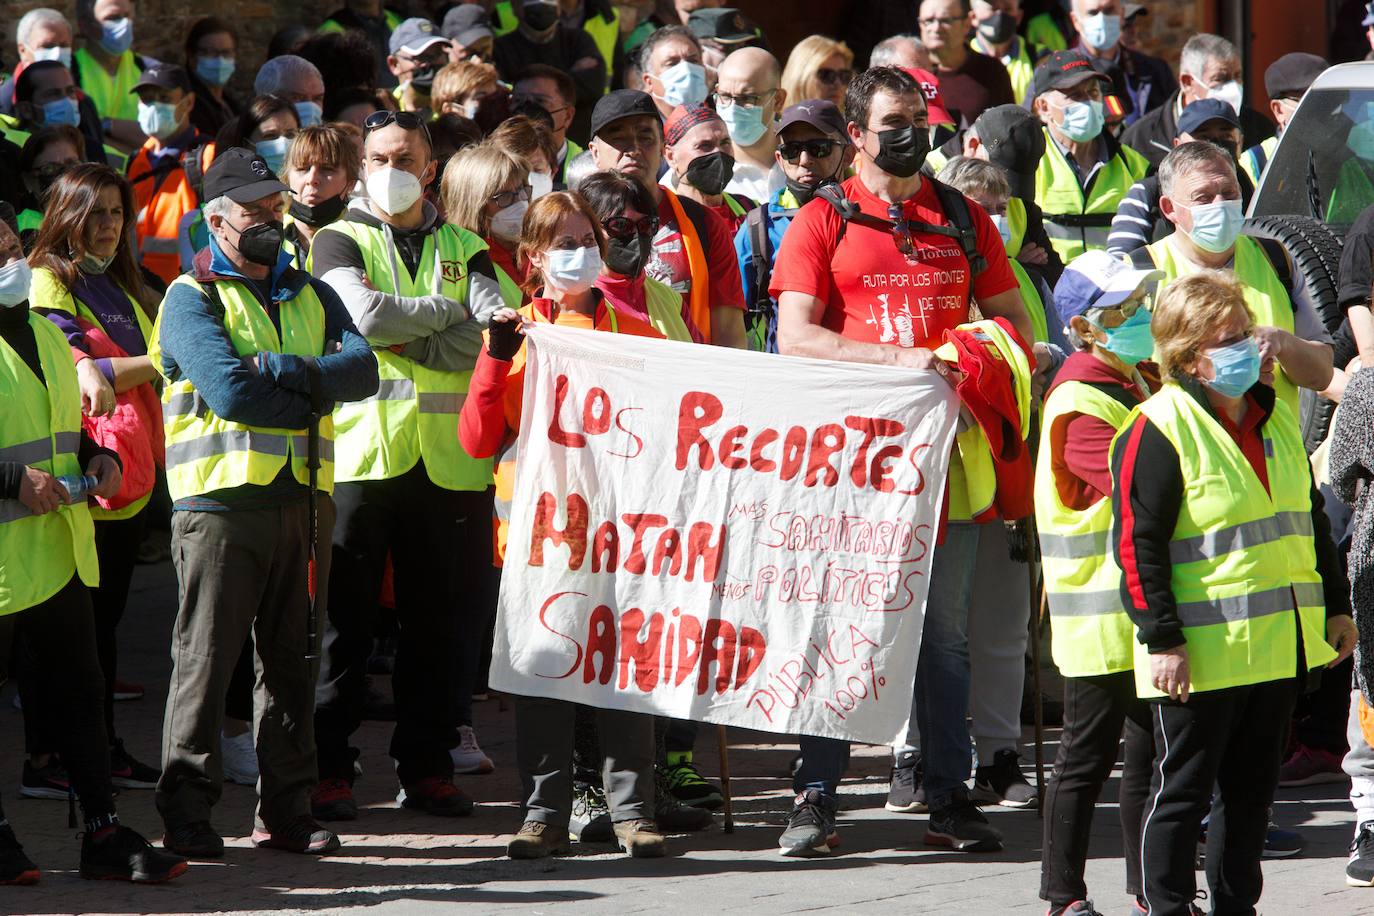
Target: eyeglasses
x,y
743,100
816,149
504,199
835,77
1102,317
406,120
936,21
622,227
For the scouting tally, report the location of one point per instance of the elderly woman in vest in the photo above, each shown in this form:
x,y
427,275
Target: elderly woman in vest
x,y
1232,582
86,281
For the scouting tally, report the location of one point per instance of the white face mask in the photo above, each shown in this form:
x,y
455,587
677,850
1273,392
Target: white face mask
x,y
506,224
15,280
1231,93
572,271
394,190
540,184
1003,227
57,53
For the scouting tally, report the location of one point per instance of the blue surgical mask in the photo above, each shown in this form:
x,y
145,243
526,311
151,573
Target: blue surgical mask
x,y
273,152
158,119
684,83
58,53
1082,121
61,111
1236,368
310,113
1003,227
1101,31
215,70
1132,340
745,125
116,35
1216,226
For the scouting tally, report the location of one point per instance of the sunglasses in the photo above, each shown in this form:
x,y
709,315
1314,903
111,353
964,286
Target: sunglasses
x,y
816,149
504,199
406,120
901,230
622,227
835,77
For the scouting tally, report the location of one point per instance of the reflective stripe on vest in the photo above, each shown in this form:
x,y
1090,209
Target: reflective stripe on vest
x,y
1244,563
206,452
1266,296
1076,224
42,429
1092,634
414,414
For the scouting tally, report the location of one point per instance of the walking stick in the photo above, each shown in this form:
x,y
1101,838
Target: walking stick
x,y
722,742
1036,609
312,464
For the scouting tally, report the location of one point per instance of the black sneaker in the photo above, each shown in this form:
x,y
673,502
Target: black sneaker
x,y
1359,871
123,855
48,781
15,866
810,827
672,815
128,773
687,784
1001,783
303,834
196,840
1077,908
962,827
591,819
905,795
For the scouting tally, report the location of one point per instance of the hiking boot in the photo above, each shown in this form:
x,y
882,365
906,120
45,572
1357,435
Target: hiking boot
x,y
1280,843
333,800
1001,783
128,773
810,828
538,840
122,855
126,690
301,834
905,795
591,819
436,795
686,783
196,840
640,838
671,814
1077,908
1308,766
1359,871
15,866
239,757
47,781
468,758
960,826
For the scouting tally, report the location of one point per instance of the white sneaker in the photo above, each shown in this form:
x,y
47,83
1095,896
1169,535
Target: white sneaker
x,y
467,756
240,758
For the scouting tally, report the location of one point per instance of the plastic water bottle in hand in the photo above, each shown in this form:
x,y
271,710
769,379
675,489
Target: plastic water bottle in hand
x,y
78,486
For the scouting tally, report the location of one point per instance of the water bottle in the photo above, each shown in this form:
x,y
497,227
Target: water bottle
x,y
78,485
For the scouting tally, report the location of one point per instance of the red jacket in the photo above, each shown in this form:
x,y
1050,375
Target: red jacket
x,y
134,430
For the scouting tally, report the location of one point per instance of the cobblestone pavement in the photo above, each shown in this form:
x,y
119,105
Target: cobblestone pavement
x,y
396,861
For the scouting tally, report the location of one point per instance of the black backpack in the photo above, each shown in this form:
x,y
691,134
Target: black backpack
x,y
761,315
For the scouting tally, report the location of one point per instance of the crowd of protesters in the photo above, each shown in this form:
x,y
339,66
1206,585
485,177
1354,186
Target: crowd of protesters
x,y
277,338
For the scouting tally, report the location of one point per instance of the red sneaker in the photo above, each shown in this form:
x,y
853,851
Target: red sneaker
x,y
333,800
436,795
1309,766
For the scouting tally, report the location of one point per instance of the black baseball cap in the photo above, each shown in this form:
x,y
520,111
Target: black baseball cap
x,y
818,113
723,25
163,76
1064,70
1292,74
1198,113
242,176
1015,141
622,103
466,23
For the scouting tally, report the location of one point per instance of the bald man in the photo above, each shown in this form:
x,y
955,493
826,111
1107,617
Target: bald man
x,y
749,98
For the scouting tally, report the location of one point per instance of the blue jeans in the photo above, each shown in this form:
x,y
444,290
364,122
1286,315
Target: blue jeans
x,y
939,705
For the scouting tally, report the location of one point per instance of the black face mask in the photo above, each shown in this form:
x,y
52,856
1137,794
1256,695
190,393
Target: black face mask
x,y
627,257
422,78
261,244
710,174
539,16
804,192
902,150
319,215
998,27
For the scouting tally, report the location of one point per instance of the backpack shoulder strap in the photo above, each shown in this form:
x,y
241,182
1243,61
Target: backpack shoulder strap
x,y
760,257
1278,259
955,206
195,175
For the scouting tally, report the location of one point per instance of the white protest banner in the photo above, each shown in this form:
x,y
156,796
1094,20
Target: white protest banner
x,y
719,535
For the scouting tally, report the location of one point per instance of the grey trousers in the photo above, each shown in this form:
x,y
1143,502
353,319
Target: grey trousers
x,y
544,751
1359,766
998,616
240,572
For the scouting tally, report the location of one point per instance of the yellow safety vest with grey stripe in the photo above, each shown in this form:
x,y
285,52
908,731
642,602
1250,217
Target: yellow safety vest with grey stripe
x,y
1092,634
205,452
414,413
605,34
1243,558
42,429
1077,222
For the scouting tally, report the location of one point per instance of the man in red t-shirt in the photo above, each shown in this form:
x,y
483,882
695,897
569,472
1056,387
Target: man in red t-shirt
x,y
697,259
855,295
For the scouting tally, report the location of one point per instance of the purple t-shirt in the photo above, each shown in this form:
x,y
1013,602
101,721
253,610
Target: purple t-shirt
x,y
113,311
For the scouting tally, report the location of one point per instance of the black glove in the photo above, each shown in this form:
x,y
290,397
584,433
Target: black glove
x,y
504,339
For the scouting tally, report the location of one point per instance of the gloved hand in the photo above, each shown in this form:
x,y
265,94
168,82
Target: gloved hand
x,y
504,336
